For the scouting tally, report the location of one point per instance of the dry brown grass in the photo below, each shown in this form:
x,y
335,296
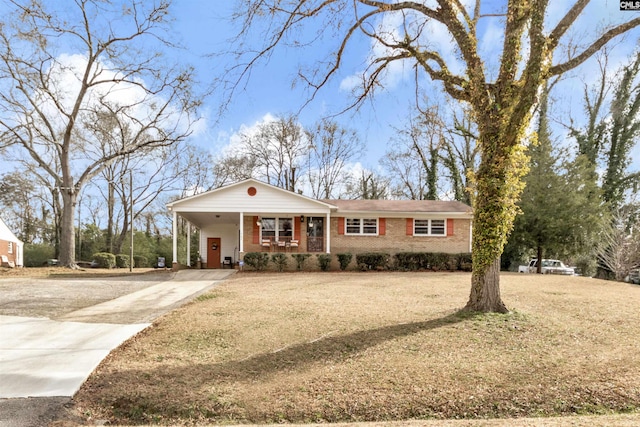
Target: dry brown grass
x,y
348,347
62,271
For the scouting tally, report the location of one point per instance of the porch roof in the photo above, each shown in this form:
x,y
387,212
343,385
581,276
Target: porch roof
x,y
251,197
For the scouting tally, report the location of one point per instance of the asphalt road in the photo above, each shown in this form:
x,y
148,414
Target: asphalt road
x,y
54,332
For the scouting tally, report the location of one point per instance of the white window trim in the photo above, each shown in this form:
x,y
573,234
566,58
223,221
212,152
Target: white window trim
x,y
277,230
361,233
10,249
430,226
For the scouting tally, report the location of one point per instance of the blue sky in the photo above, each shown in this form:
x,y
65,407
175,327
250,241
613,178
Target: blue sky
x,y
203,26
269,90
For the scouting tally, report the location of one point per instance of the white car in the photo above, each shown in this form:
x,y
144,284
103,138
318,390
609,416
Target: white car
x,y
549,266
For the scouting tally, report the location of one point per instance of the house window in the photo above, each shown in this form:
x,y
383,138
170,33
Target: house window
x,y
429,227
10,247
362,226
277,228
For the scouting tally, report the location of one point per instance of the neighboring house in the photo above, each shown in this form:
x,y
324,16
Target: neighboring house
x,y
251,216
10,247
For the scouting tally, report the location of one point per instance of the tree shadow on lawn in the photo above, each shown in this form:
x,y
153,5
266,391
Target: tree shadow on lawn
x,y
294,357
170,391
326,349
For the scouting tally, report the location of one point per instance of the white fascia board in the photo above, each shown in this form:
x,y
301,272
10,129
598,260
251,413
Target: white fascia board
x,y
387,214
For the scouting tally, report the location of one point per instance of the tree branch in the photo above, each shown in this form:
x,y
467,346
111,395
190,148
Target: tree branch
x,y
593,48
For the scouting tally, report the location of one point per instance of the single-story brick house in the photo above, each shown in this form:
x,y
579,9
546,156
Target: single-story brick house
x,y
10,247
251,216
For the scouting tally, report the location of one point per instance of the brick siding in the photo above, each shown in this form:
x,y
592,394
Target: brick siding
x,y
4,250
394,240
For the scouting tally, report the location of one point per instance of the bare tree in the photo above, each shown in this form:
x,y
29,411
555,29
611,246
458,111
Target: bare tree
x,y
501,106
277,150
233,167
460,156
414,162
67,65
619,246
331,148
367,184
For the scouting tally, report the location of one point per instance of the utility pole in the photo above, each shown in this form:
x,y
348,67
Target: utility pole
x,y
131,219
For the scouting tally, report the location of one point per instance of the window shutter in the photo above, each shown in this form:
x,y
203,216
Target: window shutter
x,y
340,225
297,228
409,226
450,227
256,231
382,226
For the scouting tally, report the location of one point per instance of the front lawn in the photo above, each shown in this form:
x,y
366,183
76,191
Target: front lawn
x,y
344,347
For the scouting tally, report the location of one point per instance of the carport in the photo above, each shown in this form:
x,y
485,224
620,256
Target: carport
x,y
230,219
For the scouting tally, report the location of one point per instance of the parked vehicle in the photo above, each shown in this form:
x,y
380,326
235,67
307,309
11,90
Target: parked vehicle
x,y
549,266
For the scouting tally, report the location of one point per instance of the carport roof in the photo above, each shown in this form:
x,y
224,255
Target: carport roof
x,y
251,197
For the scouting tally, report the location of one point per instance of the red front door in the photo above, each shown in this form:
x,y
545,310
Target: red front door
x,y
213,252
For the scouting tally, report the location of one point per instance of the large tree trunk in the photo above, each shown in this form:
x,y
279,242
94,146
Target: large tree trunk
x,y
498,186
485,291
67,230
539,266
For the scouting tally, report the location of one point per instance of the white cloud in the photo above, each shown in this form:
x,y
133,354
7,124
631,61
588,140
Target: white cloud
x,y
135,106
232,140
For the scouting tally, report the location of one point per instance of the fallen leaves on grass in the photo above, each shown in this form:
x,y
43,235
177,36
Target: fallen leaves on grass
x,y
376,347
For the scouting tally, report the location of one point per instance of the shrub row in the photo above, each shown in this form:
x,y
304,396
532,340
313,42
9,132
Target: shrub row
x,y
260,260
107,260
436,261
402,261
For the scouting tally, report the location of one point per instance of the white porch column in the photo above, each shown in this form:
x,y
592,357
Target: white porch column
x,y
328,232
188,244
175,238
241,247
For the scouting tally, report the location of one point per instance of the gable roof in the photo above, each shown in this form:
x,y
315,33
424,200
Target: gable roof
x,y
402,206
264,193
6,234
255,197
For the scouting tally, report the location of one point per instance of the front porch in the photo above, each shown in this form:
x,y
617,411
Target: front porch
x,y
245,216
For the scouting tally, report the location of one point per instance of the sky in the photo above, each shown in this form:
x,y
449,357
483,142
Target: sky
x,y
205,28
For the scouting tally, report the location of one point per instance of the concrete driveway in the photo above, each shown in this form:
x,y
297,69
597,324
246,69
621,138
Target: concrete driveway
x,y
54,332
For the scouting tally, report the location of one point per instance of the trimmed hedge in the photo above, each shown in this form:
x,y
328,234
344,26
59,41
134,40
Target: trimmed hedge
x,y
436,261
345,260
300,260
324,260
402,261
256,260
280,260
140,261
372,260
105,259
122,261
